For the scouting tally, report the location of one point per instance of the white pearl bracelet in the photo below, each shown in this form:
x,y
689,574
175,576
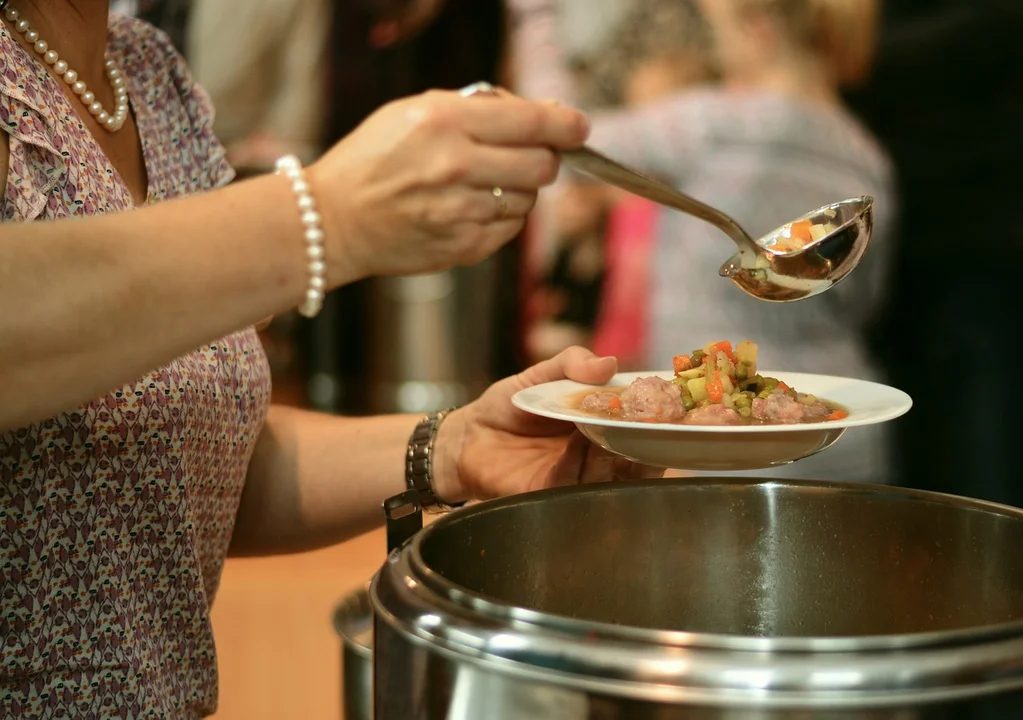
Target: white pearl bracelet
x,y
290,167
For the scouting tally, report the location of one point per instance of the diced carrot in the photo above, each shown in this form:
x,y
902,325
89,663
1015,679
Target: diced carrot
x,y
682,363
801,231
783,386
725,347
615,404
838,415
787,246
715,388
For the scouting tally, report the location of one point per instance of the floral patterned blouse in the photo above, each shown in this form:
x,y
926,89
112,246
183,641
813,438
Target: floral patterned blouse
x,y
115,517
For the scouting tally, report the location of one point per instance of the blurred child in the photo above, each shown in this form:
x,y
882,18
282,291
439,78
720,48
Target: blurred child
x,y
766,142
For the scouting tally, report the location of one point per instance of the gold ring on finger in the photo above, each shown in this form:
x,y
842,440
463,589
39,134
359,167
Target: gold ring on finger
x,y
502,203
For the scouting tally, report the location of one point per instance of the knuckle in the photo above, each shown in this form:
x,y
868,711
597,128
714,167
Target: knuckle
x,y
452,169
430,115
439,212
458,208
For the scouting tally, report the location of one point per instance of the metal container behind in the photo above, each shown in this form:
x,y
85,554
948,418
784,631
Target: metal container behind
x,y
353,622
432,338
710,598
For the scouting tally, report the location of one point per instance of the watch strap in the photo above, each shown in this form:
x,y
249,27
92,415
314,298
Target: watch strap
x,y
419,462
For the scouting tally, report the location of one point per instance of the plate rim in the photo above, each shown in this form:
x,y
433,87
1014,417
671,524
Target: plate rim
x,y
897,410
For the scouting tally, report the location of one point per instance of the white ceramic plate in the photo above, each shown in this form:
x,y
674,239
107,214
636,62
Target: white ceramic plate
x,y
715,448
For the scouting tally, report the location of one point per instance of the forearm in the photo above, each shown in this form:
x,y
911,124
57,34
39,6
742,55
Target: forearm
x,y
318,479
88,305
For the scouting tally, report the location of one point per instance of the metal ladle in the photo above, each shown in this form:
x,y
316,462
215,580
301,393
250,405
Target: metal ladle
x,y
769,268
766,268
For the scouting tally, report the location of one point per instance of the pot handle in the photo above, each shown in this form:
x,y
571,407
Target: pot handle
x,y
404,517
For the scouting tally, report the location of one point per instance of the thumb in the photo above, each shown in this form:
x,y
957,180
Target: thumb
x,y
575,363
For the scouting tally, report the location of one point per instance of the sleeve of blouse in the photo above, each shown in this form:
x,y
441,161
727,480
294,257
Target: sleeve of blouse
x,y
217,171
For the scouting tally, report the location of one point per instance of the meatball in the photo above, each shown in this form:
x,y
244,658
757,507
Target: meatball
x,y
653,400
778,407
713,415
602,403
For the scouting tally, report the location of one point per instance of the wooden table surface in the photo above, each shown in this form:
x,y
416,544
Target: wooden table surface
x,y
279,656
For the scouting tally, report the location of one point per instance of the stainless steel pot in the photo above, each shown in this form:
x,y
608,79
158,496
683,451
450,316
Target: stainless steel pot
x,y
702,599
353,622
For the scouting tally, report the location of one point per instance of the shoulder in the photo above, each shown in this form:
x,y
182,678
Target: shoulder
x,y
829,131
149,56
162,80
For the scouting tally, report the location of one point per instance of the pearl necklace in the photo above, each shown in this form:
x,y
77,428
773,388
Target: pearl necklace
x,y
112,121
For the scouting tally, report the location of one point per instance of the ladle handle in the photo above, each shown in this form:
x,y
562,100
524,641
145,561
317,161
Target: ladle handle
x,y
598,165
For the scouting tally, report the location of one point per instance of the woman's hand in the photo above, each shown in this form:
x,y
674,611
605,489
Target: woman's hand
x,y
412,189
490,448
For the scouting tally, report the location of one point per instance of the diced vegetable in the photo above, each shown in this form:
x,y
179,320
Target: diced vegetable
x,y
746,352
723,374
724,347
687,397
698,388
615,404
801,231
694,373
715,390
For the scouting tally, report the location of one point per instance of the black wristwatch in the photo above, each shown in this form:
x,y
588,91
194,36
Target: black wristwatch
x,y
419,463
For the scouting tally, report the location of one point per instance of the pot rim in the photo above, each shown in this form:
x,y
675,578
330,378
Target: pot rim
x,y
496,610
353,608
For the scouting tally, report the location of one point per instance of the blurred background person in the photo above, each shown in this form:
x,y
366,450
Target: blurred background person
x,y
661,52
767,141
564,307
946,98
263,62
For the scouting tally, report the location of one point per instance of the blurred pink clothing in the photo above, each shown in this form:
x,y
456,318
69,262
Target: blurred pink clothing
x,y
623,318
